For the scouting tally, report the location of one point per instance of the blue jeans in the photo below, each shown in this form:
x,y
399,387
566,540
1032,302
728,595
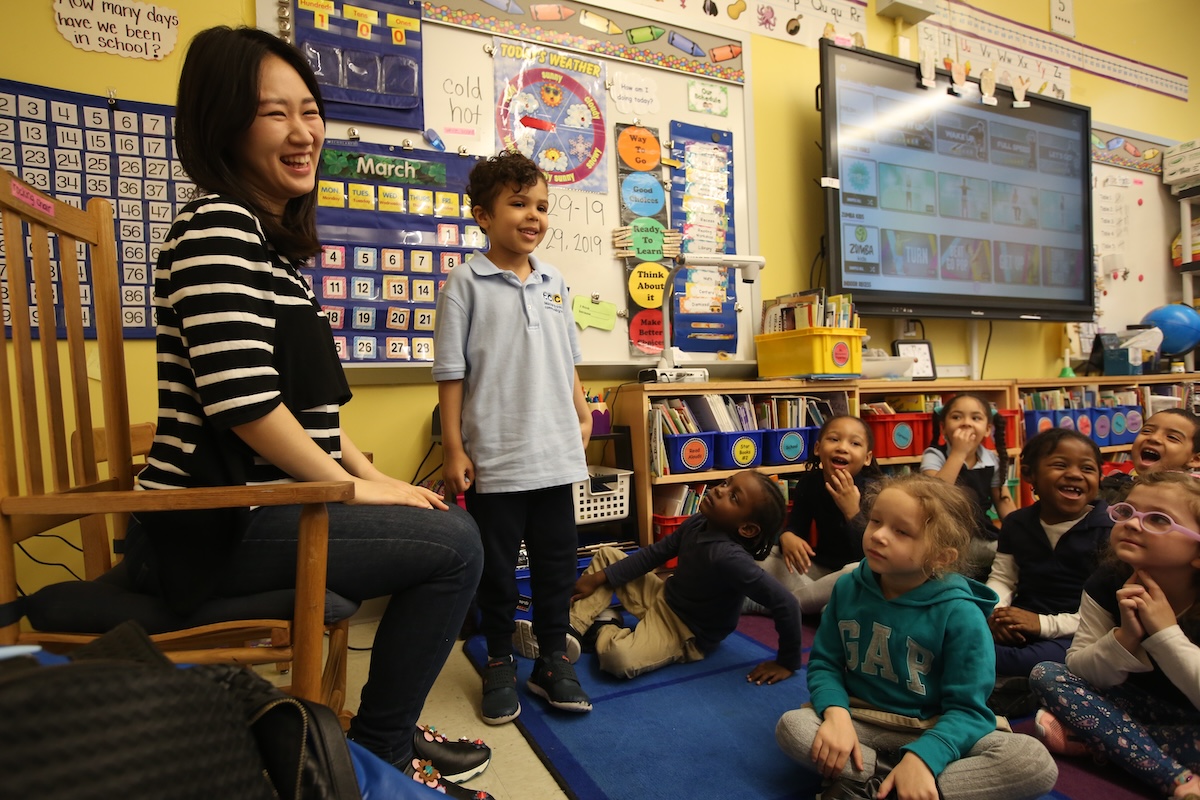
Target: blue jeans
x,y
1012,660
428,562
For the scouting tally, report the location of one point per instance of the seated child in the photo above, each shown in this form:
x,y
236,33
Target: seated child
x,y
1046,552
685,617
1130,690
1169,439
902,666
825,510
965,421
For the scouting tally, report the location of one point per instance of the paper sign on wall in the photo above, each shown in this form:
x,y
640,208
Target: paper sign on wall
x,y
118,27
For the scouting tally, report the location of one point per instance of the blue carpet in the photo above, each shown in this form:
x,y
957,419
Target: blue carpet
x,y
694,730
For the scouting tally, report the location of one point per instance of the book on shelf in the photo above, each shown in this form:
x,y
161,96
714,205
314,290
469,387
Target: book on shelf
x,y
687,419
878,408
794,311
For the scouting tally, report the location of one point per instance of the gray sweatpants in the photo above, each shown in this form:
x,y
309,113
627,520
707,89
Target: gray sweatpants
x,y
1001,766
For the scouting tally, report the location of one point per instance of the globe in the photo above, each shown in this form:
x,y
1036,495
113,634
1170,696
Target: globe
x,y
1180,325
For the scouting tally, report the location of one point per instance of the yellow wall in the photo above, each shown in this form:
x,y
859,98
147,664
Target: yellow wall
x,y
394,421
790,207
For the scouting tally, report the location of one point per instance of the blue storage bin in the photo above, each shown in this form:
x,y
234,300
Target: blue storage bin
x,y
1119,435
1083,421
785,446
1065,419
1101,426
1133,422
739,450
1036,422
689,452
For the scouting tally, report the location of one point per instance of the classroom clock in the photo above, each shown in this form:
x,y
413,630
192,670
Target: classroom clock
x,y
922,351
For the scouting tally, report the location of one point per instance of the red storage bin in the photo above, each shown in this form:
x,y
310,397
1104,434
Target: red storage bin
x,y
1014,429
663,526
900,434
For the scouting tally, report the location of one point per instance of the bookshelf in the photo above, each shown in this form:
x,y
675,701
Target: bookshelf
x,y
631,407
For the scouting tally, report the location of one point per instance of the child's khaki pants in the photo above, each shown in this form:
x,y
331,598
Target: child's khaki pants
x,y
660,637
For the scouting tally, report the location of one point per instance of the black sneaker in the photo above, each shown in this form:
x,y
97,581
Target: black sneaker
x,y
500,703
609,616
526,643
457,761
554,680
426,774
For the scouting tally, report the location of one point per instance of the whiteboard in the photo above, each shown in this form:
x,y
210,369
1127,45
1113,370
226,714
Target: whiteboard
x,y
459,95
1135,219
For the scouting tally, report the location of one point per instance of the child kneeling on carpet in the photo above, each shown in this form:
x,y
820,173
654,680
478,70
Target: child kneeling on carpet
x,y
902,666
685,617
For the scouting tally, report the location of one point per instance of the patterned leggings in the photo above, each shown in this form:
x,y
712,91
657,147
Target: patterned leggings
x,y
1157,747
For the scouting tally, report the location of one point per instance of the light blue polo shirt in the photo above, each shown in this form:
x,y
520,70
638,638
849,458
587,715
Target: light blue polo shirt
x,y
514,347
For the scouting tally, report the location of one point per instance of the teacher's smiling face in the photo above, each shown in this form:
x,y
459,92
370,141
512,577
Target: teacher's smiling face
x,y
278,153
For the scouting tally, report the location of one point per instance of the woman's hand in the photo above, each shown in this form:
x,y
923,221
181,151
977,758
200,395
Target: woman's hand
x,y
844,491
911,779
797,553
394,493
836,741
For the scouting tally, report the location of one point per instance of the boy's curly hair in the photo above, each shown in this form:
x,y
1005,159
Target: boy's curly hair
x,y
510,168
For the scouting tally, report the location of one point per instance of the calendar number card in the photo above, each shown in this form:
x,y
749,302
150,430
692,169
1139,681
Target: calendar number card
x,y
393,223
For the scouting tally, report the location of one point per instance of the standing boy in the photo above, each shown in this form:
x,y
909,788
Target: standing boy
x,y
514,427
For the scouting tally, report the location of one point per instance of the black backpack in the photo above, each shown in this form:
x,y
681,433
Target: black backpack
x,y
121,722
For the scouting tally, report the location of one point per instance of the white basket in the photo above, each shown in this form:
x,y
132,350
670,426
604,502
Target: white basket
x,y
607,501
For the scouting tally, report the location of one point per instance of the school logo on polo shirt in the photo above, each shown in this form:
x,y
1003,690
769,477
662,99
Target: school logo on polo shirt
x,y
553,301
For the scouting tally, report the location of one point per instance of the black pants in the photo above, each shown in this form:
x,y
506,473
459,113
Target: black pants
x,y
545,520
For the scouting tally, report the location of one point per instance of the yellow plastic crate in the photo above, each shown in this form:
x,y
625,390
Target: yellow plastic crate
x,y
809,352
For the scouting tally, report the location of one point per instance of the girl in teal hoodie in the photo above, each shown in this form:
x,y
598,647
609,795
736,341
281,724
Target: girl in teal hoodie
x,y
903,663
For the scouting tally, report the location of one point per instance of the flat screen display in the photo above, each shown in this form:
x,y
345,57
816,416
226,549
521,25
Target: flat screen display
x,y
946,206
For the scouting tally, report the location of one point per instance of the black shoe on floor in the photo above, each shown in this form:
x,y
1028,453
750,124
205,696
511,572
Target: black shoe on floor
x,y
554,680
609,616
457,761
500,703
1012,697
426,774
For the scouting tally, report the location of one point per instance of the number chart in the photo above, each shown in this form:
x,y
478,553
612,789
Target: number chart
x,y
392,223
76,147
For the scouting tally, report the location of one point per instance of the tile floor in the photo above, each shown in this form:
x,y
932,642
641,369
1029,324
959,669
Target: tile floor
x,y
515,773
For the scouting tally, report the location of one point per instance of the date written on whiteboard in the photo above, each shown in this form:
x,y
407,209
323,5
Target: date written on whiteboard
x,y
561,241
577,209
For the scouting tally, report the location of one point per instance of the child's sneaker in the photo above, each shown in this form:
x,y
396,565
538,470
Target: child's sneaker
x,y
609,616
554,680
500,703
525,643
1057,738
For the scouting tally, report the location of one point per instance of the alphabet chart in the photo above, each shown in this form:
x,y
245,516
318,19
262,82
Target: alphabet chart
x,y
392,223
76,147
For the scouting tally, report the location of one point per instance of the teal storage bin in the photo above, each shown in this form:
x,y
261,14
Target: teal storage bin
x,y
689,452
786,446
1102,426
740,450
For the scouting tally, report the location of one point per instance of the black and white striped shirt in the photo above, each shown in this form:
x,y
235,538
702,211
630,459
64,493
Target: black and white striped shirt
x,y
239,331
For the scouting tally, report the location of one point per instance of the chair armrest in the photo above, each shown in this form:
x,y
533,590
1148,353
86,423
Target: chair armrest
x,y
84,503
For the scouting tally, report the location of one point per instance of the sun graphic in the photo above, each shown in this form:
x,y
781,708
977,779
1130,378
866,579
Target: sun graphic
x,y
552,94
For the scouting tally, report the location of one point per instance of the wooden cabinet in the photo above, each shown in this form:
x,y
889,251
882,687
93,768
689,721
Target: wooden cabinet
x,y
631,407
